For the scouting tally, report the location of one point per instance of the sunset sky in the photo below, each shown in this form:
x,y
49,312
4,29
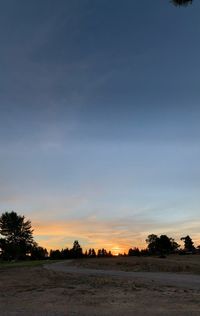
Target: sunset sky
x,y
100,120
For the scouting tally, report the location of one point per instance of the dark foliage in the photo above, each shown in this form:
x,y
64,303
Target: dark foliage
x,y
91,253
144,252
73,253
181,2
38,253
76,251
17,236
161,245
134,252
65,253
55,254
103,253
188,244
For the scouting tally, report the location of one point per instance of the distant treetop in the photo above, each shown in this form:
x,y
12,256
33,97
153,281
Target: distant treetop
x,y
181,2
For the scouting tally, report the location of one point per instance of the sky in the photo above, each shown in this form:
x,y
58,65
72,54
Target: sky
x,y
99,120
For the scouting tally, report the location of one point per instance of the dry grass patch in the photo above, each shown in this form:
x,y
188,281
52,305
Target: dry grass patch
x,y
173,263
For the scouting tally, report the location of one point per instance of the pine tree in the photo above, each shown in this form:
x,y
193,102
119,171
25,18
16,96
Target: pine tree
x,y
17,236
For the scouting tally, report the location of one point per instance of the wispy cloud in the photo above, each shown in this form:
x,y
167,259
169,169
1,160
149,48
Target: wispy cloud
x,y
120,232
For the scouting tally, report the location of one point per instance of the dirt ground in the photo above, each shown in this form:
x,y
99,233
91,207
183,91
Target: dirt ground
x,y
40,291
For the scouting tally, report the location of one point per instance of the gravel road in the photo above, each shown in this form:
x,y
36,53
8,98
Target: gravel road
x,y
189,281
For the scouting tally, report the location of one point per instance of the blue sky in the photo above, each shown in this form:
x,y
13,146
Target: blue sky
x,y
99,119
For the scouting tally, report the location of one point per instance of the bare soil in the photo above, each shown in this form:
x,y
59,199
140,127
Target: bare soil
x,y
41,291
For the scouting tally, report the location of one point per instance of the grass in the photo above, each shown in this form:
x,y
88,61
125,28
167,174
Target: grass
x,y
27,263
173,263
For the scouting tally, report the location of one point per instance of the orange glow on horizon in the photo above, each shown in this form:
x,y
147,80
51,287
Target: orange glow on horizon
x,y
57,236
97,234
117,250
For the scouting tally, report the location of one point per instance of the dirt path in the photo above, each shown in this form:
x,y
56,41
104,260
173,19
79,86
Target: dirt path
x,y
63,289
189,281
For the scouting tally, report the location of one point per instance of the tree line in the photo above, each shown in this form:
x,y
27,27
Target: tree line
x,y
17,243
77,252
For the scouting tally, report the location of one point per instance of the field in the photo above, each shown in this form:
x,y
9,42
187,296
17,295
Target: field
x,y
36,289
173,263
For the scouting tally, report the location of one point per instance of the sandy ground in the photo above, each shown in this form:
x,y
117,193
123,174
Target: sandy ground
x,y
64,289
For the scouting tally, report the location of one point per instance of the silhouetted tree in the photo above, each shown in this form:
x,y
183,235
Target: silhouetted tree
x,y
65,253
153,243
38,253
99,253
188,244
76,251
134,252
144,252
181,2
174,245
167,245
102,253
161,245
17,235
91,253
55,254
